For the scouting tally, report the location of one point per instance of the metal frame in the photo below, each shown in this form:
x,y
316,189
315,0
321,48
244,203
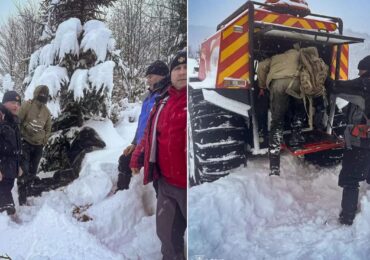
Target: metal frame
x,y
265,28
250,7
245,6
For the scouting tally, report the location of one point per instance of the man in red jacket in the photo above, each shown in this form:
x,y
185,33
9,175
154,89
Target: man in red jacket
x,y
162,152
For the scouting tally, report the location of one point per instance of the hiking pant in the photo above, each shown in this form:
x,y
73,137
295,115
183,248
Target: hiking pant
x,y
6,198
125,174
171,220
31,156
279,106
355,168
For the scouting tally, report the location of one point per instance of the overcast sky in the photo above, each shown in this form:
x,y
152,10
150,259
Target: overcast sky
x,y
8,8
355,14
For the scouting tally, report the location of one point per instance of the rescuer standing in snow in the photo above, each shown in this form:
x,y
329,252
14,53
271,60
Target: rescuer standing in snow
x,y
158,80
163,154
356,158
35,120
10,149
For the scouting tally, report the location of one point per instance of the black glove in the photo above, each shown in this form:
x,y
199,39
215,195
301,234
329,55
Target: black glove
x,y
123,182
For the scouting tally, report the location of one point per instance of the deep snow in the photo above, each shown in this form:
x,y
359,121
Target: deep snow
x,y
122,225
249,215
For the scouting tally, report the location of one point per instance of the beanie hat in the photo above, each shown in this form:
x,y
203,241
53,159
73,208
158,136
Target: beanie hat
x,y
157,68
11,96
364,64
180,58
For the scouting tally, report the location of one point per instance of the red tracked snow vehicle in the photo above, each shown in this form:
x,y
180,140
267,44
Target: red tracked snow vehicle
x,y
228,118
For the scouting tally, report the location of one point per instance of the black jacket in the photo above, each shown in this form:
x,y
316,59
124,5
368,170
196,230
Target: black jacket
x,y
10,144
357,92
360,88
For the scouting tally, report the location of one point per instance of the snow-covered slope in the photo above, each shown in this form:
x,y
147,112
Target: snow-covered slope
x,y
249,215
122,225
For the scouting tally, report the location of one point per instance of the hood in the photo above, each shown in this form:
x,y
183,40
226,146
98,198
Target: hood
x,y
41,89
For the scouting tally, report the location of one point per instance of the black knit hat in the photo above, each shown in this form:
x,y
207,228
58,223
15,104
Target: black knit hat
x,y
157,68
11,96
180,58
364,64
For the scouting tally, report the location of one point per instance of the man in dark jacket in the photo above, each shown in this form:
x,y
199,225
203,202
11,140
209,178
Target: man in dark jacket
x,y
163,154
35,120
157,79
356,163
10,149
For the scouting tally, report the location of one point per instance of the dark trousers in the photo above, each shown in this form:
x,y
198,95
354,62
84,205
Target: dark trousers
x,y
171,220
355,168
6,198
125,174
279,106
31,156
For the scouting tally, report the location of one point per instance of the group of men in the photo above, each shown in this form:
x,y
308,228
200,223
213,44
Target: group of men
x,y
24,130
279,75
159,146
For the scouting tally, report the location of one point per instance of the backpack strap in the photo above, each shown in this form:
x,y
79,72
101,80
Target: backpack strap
x,y
153,147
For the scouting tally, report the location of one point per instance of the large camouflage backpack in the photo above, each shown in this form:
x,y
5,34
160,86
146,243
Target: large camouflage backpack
x,y
313,72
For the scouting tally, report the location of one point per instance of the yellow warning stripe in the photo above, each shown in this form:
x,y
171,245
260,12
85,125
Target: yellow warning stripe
x,y
245,76
229,50
230,29
270,18
342,74
344,60
242,61
320,25
290,21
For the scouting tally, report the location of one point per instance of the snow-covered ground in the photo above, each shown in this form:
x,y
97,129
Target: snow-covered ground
x,y
249,215
122,225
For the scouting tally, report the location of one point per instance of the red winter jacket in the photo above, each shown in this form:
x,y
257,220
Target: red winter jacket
x,y
165,155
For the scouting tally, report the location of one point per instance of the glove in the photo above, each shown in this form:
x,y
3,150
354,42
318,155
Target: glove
x,y
123,182
129,149
135,171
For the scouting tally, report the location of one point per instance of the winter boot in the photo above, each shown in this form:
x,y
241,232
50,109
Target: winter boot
x,y
22,197
349,205
9,208
274,165
296,138
22,190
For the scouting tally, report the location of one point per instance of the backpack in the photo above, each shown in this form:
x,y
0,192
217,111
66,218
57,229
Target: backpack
x,y
313,72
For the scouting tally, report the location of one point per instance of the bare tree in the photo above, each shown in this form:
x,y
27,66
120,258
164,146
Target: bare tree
x,y
18,41
147,30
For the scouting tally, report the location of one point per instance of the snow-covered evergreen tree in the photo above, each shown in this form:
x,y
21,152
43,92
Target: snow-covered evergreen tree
x,y
77,62
78,66
54,12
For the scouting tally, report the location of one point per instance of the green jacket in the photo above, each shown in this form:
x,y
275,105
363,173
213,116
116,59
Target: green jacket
x,y
35,120
280,66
